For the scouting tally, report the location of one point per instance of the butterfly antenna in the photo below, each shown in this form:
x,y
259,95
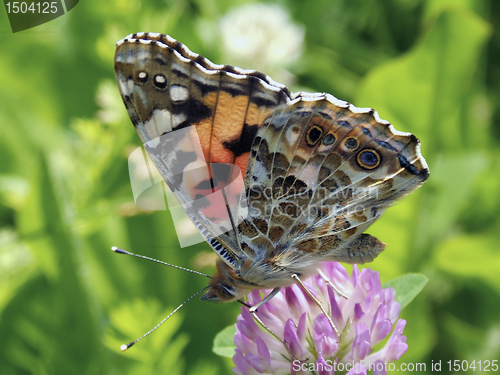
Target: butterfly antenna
x,y
121,251
126,346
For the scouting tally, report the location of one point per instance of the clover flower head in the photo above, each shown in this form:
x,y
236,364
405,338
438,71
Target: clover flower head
x,y
362,311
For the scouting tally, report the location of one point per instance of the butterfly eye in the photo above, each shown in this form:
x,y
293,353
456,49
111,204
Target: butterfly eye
x,y
160,82
368,159
226,293
141,77
313,135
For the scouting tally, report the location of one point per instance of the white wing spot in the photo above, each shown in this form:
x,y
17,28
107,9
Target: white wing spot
x,y
178,119
130,58
143,55
123,86
160,79
130,86
159,123
292,135
178,93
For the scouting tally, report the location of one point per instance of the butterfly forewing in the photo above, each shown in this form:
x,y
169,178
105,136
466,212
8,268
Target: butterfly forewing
x,y
192,114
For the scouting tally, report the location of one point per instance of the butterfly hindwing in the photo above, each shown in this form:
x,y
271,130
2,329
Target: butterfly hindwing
x,y
330,170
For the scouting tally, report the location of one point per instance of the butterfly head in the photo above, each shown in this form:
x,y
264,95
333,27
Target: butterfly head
x,y
223,286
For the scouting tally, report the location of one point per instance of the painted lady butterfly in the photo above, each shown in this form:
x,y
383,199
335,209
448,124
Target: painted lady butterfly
x,y
276,182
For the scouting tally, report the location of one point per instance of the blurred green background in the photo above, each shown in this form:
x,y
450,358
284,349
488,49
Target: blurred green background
x,y
67,302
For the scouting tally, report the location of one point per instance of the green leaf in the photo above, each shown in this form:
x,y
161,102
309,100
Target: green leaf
x,y
158,352
51,313
407,287
460,255
223,342
426,90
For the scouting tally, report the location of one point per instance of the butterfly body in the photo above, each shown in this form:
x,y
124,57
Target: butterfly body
x,y
276,182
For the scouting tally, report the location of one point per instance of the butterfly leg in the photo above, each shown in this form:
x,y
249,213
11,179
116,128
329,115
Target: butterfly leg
x,y
320,305
327,280
253,311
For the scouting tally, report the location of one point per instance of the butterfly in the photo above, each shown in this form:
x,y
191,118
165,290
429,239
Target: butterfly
x,y
276,182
